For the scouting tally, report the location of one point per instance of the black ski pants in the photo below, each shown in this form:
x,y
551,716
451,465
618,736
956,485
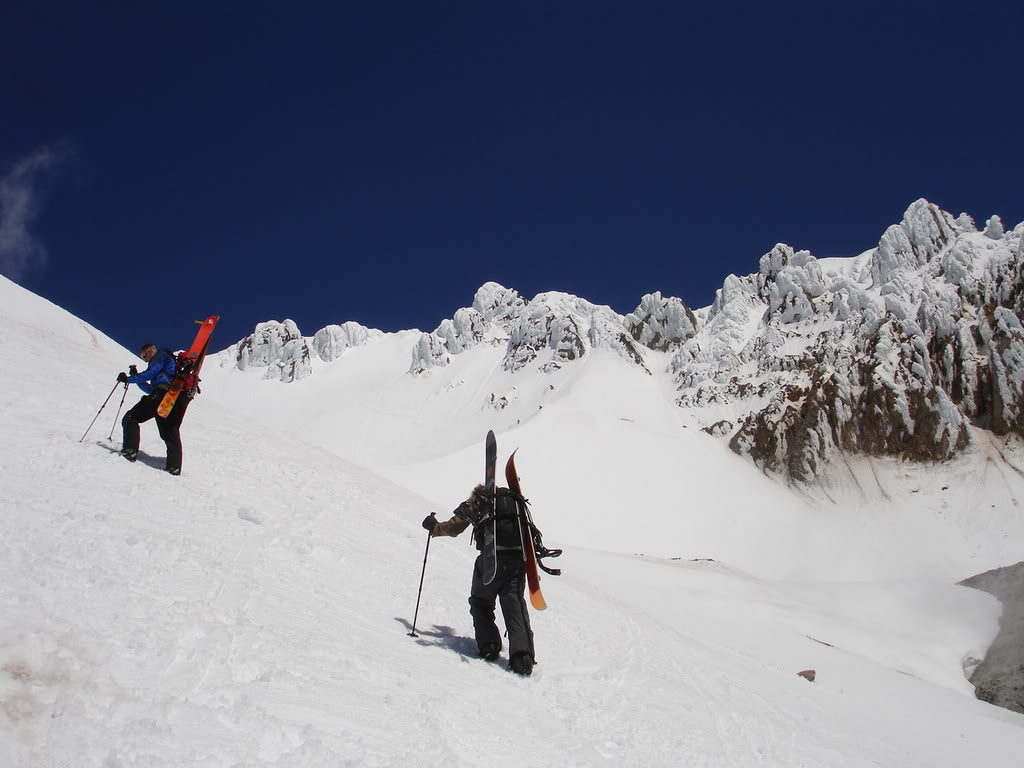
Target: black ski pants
x,y
509,589
169,427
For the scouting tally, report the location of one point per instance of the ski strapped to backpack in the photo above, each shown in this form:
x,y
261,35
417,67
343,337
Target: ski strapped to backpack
x,y
531,553
490,538
493,524
537,537
188,365
540,551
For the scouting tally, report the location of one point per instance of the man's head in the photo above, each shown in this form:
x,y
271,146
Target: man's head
x,y
146,351
479,501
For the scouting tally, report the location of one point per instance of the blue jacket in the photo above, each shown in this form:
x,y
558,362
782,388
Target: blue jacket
x,y
158,374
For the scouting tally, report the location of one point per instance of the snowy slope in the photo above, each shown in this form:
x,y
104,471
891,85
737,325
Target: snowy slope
x,y
612,463
254,611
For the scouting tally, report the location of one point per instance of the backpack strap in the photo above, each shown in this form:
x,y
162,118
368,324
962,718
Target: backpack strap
x,y
493,496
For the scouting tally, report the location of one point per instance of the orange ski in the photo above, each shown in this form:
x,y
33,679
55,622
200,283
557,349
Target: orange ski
x,y
532,576
189,364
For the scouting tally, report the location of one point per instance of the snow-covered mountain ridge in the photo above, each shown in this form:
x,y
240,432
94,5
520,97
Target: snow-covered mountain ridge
x,y
895,352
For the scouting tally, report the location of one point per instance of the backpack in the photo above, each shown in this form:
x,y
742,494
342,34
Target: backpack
x,y
186,378
504,522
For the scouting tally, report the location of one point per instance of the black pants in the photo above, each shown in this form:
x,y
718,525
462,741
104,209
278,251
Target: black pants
x,y
169,427
509,589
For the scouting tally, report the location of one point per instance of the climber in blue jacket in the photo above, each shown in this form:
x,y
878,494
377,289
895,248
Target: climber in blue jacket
x,y
154,382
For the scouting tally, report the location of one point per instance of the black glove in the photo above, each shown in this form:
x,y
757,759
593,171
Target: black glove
x,y
133,371
429,522
122,378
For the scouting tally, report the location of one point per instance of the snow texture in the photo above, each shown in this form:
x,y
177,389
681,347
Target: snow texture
x,y
255,611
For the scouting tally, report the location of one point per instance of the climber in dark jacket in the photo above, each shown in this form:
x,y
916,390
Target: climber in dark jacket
x,y
508,585
154,382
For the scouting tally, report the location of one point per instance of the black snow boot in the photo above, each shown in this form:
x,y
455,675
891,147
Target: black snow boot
x,y
130,454
490,652
521,664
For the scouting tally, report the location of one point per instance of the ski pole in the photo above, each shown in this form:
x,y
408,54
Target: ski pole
x,y
118,416
422,573
100,411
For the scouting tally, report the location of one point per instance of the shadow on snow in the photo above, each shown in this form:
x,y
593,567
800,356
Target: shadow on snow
x,y
444,637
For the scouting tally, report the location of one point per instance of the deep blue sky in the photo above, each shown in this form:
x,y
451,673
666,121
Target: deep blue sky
x,y
378,161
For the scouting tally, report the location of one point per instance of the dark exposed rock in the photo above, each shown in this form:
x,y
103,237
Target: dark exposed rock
x,y
719,428
999,679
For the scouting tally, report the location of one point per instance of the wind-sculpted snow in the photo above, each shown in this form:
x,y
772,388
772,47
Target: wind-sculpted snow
x,y
994,228
899,359
498,305
792,281
278,347
661,323
924,232
726,341
428,352
557,328
495,309
331,342
550,331
287,355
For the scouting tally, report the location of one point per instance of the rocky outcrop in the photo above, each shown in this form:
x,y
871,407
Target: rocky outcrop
x,y
661,323
287,355
330,342
498,305
999,679
893,353
428,352
278,347
495,310
556,328
924,233
548,332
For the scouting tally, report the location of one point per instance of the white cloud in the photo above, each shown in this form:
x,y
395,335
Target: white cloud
x,y
20,250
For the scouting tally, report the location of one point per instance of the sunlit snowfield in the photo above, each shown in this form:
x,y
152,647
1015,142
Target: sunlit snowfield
x,y
256,610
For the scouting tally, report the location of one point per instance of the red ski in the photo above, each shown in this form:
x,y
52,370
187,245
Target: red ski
x,y
189,364
526,525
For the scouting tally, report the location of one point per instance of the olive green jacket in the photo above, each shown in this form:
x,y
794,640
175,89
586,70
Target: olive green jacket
x,y
452,527
457,524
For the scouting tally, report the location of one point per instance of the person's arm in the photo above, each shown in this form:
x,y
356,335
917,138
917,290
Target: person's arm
x,y
145,379
457,524
451,527
158,364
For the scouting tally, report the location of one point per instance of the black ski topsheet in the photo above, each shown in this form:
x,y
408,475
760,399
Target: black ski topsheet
x,y
489,531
